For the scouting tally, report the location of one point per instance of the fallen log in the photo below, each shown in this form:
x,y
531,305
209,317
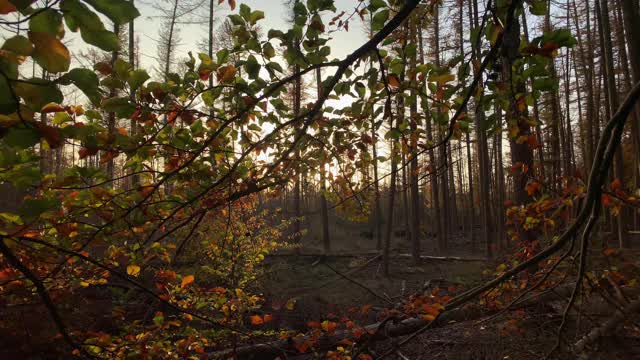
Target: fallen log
x,y
371,253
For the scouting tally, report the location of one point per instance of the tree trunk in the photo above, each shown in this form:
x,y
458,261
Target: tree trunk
x,y
413,169
613,102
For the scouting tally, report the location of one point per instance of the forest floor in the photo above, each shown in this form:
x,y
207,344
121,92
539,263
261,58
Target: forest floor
x,y
318,291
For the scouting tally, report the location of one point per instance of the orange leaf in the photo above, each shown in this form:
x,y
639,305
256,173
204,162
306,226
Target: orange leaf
x,y
393,81
232,4
314,324
268,318
52,108
329,326
186,280
256,320
616,184
226,73
302,347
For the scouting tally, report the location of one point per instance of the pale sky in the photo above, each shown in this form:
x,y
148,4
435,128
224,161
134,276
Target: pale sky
x,y
276,16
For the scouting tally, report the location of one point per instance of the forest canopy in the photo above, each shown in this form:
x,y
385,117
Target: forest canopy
x,y
180,208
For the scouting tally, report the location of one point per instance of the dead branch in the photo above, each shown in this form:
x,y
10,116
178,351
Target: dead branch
x,y
608,327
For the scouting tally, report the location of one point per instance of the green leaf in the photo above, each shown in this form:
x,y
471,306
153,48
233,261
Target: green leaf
x,y
137,78
538,7
87,81
92,30
236,19
21,137
379,19
268,50
256,16
222,56
47,21
252,67
19,45
33,208
274,34
376,4
118,11
37,93
245,12
119,105
545,84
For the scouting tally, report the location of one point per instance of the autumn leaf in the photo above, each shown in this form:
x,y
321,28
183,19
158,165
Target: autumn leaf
x,y
302,346
314,325
616,184
329,326
133,270
444,78
187,280
268,317
226,73
428,317
365,309
51,108
291,303
7,7
256,320
50,52
393,81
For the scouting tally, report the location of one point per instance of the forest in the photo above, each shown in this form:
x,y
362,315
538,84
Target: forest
x,y
319,179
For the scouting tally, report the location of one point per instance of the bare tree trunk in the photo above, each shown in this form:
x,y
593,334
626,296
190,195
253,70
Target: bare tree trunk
x,y
433,166
392,195
111,120
613,102
482,149
324,214
135,179
413,170
521,153
443,158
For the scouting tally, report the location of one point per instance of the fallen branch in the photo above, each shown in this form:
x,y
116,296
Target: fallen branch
x,y
608,327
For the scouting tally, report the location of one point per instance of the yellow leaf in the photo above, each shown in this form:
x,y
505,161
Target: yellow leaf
x,y
84,283
291,303
445,78
52,108
187,280
50,52
133,270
